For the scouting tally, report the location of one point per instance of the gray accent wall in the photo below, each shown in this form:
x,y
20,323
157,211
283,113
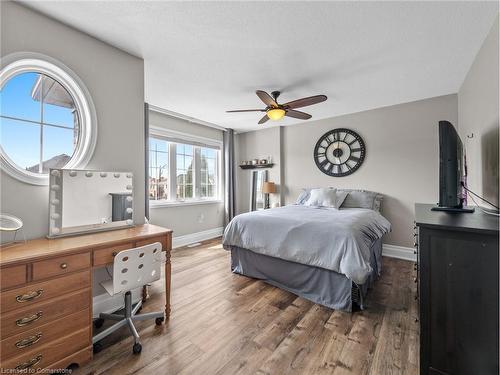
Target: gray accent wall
x,y
478,118
401,160
187,219
115,80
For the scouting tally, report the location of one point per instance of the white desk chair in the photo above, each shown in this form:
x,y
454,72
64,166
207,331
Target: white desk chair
x,y
131,269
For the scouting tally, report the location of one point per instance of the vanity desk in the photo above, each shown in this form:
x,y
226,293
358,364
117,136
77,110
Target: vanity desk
x,y
46,294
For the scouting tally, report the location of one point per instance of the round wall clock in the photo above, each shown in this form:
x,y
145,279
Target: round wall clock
x,y
339,152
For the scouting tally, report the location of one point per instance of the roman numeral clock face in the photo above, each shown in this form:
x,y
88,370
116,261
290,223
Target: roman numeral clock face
x,y
339,152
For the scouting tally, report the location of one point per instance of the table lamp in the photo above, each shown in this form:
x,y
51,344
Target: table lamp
x,y
268,188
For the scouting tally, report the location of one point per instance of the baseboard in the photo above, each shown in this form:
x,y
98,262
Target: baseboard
x,y
399,252
196,237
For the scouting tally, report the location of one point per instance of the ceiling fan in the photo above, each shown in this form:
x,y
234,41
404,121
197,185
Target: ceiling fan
x,y
275,111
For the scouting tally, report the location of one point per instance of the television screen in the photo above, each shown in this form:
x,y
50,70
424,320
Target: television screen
x,y
451,167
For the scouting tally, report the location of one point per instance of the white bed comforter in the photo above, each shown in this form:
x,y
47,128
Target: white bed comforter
x,y
337,240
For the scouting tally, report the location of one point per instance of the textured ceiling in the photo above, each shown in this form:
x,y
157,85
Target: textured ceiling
x,y
202,58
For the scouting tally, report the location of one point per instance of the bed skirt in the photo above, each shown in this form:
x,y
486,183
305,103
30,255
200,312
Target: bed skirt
x,y
319,285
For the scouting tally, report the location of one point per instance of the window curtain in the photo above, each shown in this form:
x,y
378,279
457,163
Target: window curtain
x,y
229,183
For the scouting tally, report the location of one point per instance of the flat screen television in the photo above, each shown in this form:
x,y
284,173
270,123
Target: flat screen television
x,y
451,170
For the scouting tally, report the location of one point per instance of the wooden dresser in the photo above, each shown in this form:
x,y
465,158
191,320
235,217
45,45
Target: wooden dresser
x,y
46,295
458,284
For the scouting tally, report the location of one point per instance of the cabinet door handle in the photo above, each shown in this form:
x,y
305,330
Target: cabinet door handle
x,y
24,343
29,319
114,253
30,363
29,296
64,266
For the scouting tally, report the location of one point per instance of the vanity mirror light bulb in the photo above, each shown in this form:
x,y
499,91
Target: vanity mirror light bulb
x,y
55,201
103,174
55,187
116,175
129,175
55,173
129,210
129,187
129,199
73,173
89,174
55,216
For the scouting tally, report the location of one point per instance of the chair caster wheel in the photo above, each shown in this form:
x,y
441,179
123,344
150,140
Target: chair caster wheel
x,y
98,323
159,321
97,347
137,348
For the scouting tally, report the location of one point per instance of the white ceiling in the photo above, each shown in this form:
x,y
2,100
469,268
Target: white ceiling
x,y
203,58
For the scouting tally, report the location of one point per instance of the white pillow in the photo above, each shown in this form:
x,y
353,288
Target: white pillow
x,y
324,197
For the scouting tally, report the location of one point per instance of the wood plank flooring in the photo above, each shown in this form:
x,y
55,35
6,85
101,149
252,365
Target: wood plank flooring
x,y
224,323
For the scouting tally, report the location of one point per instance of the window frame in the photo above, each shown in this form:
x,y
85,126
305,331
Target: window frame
x,y
173,138
18,63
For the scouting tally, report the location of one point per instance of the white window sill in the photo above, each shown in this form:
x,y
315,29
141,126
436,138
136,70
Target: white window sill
x,y
159,204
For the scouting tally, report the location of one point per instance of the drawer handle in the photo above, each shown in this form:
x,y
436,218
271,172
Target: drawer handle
x,y
24,343
29,296
114,253
64,266
29,319
29,364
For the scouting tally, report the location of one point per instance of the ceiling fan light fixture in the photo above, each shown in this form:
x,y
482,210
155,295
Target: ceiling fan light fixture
x,y
276,114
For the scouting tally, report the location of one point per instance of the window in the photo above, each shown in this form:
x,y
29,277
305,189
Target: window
x,y
47,120
180,171
208,172
184,174
158,169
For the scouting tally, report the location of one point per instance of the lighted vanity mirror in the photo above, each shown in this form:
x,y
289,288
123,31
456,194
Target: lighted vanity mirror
x,y
82,201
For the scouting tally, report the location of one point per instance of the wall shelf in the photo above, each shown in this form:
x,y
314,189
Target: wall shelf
x,y
255,166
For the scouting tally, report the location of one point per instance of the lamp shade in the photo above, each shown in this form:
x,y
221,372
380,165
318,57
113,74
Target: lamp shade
x,y
269,187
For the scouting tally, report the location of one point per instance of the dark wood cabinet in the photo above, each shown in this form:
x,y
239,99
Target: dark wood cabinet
x,y
458,291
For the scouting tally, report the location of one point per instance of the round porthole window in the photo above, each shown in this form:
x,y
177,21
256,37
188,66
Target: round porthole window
x,y
47,119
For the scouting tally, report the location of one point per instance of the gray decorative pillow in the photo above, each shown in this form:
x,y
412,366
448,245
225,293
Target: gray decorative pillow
x,y
362,199
303,197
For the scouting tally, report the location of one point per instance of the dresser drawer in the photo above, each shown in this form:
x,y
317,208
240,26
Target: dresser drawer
x,y
33,294
106,255
49,353
160,239
35,338
12,276
80,358
25,319
60,266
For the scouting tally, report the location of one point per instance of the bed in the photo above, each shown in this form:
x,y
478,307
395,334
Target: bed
x,y
327,255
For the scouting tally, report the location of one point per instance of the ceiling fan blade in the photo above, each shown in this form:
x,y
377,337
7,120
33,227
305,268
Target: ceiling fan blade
x,y
247,110
263,119
304,102
266,98
298,114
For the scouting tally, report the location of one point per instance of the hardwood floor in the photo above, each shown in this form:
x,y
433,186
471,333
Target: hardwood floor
x,y
224,323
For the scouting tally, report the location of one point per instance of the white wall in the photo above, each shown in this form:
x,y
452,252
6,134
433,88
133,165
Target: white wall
x,y
257,145
401,157
187,219
115,80
478,103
